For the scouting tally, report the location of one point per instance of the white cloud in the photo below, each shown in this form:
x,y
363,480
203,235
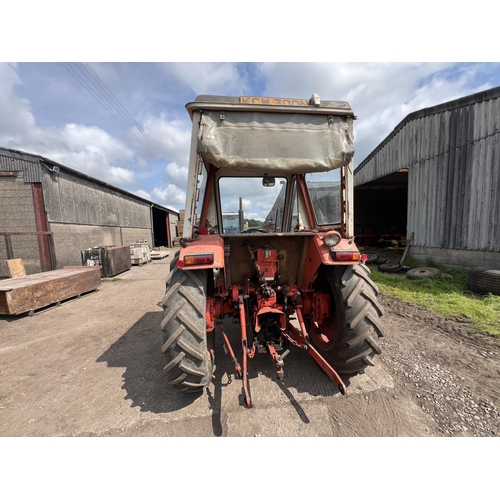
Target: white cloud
x,y
142,194
15,113
87,149
172,139
176,174
171,195
380,94
209,78
120,176
90,150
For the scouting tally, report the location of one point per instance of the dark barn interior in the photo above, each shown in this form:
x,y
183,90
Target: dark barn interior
x,y
380,209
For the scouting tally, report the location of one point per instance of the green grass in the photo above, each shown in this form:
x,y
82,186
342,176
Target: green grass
x,y
111,279
447,297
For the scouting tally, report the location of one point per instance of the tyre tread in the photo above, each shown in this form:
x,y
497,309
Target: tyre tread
x,y
189,368
359,343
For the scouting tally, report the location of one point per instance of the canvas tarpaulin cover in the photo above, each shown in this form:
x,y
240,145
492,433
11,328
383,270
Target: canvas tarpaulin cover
x,y
267,142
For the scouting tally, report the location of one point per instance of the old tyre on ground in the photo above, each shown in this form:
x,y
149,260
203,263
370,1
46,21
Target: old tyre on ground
x,y
390,268
349,340
482,280
419,273
188,366
371,258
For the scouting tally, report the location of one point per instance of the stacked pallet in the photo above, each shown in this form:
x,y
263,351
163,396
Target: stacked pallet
x,y
140,253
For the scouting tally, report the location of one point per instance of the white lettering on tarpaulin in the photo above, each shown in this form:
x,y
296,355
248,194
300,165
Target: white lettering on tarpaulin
x,y
273,101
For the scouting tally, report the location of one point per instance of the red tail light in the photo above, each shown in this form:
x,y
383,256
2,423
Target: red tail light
x,y
346,255
199,259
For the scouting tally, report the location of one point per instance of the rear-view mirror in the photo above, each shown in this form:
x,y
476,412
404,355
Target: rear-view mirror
x,y
268,181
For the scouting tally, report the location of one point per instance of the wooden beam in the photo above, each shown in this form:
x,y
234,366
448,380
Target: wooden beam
x,y
16,268
32,292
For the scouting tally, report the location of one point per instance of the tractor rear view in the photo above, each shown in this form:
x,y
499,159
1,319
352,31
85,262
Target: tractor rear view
x,y
299,281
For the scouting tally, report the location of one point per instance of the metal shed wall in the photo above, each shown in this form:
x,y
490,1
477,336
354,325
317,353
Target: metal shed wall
x,y
454,177
82,212
15,161
69,199
431,132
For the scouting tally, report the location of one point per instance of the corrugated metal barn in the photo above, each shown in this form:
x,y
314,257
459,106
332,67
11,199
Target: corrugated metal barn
x,y
437,175
49,213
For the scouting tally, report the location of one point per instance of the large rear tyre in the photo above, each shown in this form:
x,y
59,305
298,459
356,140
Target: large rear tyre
x,y
189,365
350,339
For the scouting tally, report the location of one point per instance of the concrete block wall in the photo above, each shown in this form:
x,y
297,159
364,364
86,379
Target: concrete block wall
x,y
132,235
71,239
457,258
17,214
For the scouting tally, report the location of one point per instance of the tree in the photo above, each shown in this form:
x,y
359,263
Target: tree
x,y
254,223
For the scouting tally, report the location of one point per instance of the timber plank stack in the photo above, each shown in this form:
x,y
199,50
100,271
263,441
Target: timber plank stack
x,y
32,292
159,253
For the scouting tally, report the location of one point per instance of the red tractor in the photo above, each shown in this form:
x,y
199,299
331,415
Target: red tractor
x,y
297,280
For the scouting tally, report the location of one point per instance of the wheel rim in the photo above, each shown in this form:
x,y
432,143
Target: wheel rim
x,y
389,268
423,272
324,335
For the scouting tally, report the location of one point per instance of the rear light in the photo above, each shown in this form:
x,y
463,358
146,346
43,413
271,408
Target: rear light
x,y
199,259
346,255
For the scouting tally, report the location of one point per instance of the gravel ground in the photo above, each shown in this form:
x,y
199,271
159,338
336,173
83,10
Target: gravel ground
x,y
450,370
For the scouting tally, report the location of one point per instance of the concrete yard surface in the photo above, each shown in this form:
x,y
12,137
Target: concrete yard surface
x,y
93,367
